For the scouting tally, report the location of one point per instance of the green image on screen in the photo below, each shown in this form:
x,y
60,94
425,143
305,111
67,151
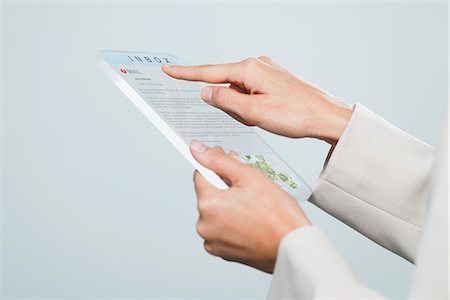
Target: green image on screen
x,y
258,161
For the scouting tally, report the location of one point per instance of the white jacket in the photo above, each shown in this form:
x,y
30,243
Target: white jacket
x,y
377,180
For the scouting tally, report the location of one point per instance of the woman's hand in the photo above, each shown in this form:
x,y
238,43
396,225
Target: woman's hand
x,y
263,94
246,222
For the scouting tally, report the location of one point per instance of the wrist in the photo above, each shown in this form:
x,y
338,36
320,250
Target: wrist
x,y
282,230
292,221
332,122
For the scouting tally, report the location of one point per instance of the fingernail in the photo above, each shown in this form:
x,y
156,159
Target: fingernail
x,y
207,94
198,147
166,66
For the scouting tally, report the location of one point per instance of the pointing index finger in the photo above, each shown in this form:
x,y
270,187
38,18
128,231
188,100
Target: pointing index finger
x,y
220,73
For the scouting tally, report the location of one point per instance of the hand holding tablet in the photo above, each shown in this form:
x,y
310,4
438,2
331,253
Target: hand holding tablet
x,y
177,110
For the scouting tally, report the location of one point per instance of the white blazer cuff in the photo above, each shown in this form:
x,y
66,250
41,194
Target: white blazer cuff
x,y
308,266
375,181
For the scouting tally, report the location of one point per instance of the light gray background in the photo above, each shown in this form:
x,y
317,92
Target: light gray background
x,y
97,203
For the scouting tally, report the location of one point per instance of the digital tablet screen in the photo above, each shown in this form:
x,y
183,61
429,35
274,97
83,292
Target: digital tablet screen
x,y
176,108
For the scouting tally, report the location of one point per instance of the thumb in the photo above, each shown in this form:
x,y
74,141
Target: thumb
x,y
229,100
226,166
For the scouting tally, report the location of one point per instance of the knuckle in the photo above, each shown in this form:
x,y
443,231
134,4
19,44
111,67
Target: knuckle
x,y
207,246
251,68
250,62
208,207
218,148
215,156
264,58
203,206
220,159
216,151
210,248
220,96
200,228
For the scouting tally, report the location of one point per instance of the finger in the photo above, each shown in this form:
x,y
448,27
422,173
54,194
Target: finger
x,y
233,154
203,188
232,102
227,167
220,73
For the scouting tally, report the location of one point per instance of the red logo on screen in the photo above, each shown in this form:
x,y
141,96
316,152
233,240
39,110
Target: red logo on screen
x,y
123,71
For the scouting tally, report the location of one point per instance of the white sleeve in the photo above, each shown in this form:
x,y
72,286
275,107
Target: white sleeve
x,y
376,181
309,267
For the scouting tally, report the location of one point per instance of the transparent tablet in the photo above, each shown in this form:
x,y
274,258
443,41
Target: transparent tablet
x,y
177,110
